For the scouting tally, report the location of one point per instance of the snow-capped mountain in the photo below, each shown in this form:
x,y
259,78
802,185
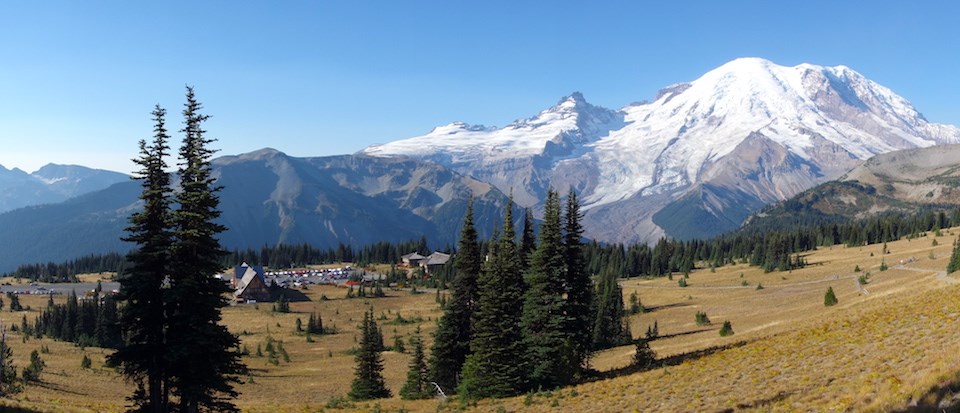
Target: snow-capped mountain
x,y
518,156
697,159
51,183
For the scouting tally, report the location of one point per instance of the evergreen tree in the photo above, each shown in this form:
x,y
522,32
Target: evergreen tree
x,y
608,325
455,328
954,263
635,306
702,319
644,357
368,380
528,240
8,373
550,350
35,368
417,384
314,324
577,286
282,305
829,299
203,355
495,365
14,302
142,319
727,329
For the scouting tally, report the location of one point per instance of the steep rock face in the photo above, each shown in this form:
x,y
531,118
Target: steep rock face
x,y
745,134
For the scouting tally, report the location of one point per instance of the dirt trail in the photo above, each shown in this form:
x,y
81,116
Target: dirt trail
x,y
941,275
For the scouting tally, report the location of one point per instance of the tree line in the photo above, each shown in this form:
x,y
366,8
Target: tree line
x,y
88,322
774,245
67,271
292,256
277,256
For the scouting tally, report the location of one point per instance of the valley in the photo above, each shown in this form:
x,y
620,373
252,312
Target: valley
x,y
882,347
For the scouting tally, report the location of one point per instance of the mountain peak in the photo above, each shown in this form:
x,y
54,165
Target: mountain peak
x,y
574,98
263,153
748,61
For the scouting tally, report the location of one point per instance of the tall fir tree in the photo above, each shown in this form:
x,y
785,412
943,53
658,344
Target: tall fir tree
x,y
451,342
954,263
417,385
528,240
608,327
204,356
368,380
549,349
578,287
495,366
141,321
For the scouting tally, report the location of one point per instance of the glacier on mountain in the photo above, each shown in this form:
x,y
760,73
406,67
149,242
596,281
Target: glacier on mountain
x,y
631,163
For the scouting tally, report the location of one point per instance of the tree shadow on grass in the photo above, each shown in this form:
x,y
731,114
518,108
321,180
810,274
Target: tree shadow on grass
x,y
54,387
16,409
664,362
942,397
664,307
685,333
756,404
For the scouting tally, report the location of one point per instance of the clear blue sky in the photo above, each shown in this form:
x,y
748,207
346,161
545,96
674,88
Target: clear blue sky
x,y
78,79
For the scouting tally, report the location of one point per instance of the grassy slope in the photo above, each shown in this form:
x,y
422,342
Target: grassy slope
x,y
874,351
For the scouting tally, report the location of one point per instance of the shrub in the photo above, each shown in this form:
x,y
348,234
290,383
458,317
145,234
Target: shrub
x,y
702,318
85,362
682,282
727,329
339,402
759,286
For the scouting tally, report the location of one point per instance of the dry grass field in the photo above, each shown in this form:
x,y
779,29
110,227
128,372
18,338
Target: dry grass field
x,y
886,346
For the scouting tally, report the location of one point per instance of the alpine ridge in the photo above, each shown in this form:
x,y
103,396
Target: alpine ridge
x,y
270,198
696,160
51,184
